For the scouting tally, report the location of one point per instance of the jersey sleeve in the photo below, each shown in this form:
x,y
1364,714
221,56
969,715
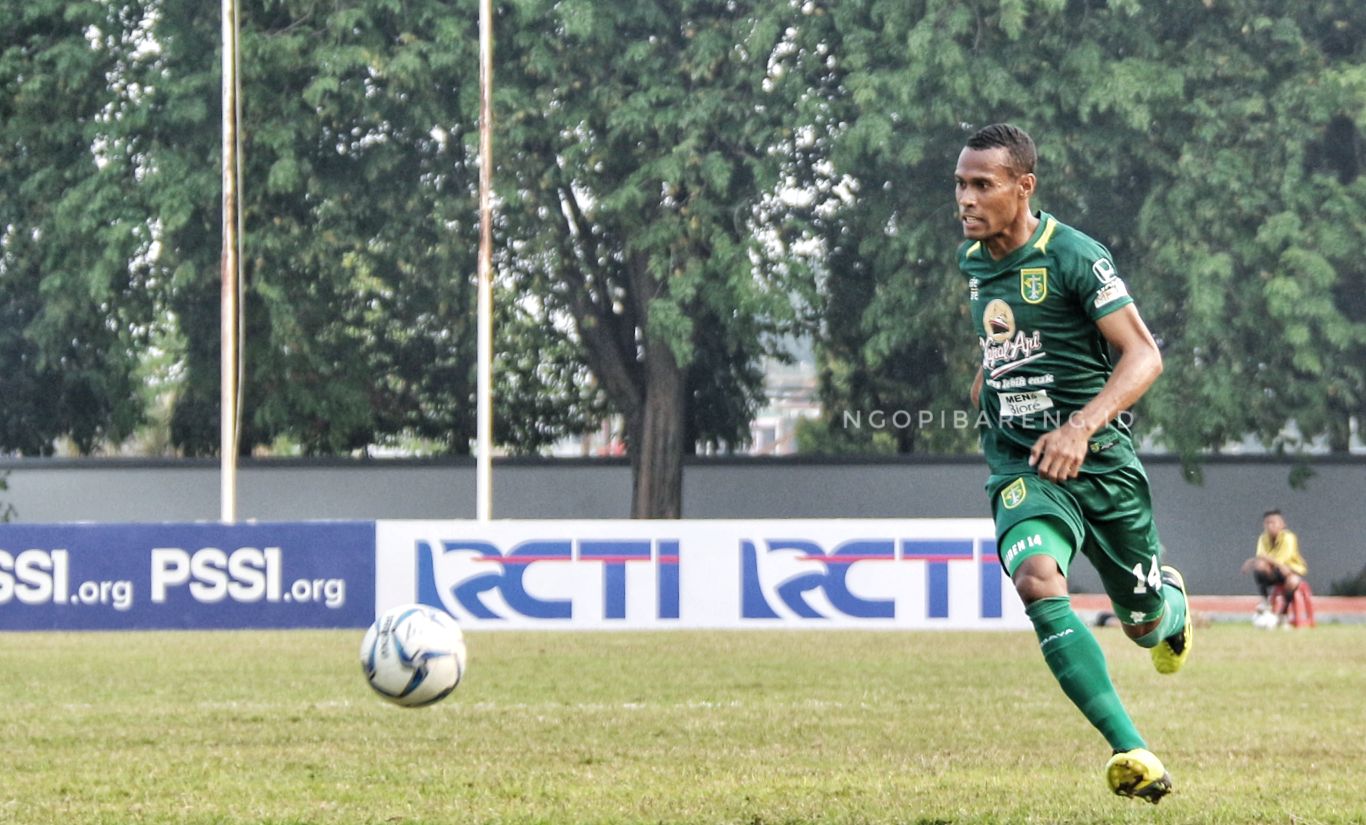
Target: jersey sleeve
x,y
1091,275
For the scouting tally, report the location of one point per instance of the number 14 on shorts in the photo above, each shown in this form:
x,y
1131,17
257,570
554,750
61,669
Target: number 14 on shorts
x,y
1153,578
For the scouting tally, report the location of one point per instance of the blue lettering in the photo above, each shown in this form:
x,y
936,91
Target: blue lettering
x,y
506,577
832,580
507,580
614,555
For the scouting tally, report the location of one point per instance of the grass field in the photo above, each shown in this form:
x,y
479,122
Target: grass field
x,y
738,727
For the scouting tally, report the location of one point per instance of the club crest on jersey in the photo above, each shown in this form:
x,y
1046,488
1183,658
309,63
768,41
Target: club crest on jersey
x,y
1014,494
1034,284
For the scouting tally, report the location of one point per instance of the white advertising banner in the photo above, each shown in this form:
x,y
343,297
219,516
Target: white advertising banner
x,y
838,573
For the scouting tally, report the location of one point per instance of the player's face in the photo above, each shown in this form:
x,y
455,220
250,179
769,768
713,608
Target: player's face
x,y
990,195
1273,525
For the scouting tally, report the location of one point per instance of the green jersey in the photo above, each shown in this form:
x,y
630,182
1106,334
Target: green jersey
x,y
1034,313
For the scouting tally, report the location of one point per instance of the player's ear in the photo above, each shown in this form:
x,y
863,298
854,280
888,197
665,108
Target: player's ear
x,y
1027,183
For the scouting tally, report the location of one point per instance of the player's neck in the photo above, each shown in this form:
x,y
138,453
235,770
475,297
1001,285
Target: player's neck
x,y
1014,236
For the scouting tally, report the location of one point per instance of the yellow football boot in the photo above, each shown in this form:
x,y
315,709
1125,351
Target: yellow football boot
x,y
1138,773
1171,653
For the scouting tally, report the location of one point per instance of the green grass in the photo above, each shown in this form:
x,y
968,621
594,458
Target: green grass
x,y
718,727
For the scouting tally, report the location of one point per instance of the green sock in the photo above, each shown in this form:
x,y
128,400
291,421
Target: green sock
x,y
1078,663
1172,620
1173,611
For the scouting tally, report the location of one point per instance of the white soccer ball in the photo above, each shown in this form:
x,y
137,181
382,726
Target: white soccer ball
x,y
413,655
1265,620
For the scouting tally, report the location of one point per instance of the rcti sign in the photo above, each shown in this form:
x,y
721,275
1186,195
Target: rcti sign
x,y
616,574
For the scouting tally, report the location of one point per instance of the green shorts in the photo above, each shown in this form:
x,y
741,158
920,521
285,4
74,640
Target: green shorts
x,y
1110,518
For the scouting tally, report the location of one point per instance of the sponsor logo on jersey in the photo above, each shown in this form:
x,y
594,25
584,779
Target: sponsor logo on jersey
x,y
1112,291
1003,347
998,321
1014,494
1034,284
1017,404
1015,352
1104,270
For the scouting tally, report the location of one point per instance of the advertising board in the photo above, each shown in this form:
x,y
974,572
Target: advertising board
x,y
186,576
858,573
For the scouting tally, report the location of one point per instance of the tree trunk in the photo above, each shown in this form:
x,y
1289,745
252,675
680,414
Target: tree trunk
x,y
656,438
1339,429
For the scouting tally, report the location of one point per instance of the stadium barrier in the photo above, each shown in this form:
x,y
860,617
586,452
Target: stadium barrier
x,y
842,573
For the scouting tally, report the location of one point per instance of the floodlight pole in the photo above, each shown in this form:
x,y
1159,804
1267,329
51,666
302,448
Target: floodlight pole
x,y
484,332
230,270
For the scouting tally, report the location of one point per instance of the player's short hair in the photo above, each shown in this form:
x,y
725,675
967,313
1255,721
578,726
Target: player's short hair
x,y
1269,513
1016,141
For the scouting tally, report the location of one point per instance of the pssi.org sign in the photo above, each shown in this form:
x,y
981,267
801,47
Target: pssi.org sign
x,y
118,576
938,573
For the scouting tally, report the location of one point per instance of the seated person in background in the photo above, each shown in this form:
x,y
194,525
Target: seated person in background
x,y
1278,560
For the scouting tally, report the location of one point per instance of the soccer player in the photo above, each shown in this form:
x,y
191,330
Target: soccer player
x,y
1049,308
1277,562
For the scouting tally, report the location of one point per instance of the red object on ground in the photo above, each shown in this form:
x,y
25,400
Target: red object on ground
x,y
1301,606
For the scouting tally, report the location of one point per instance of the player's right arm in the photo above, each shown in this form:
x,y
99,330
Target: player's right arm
x,y
1057,455
976,392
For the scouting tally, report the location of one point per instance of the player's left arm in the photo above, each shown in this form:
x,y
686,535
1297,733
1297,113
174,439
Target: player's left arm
x,y
1058,455
1293,560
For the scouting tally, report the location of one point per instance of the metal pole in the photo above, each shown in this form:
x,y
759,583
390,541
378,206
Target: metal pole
x,y
230,270
484,413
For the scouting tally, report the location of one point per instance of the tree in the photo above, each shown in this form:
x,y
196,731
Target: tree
x,y
358,130
1258,227
893,87
358,256
663,170
74,307
1151,120
636,142
361,231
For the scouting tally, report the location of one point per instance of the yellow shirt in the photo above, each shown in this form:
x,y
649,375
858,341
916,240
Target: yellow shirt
x,y
1285,550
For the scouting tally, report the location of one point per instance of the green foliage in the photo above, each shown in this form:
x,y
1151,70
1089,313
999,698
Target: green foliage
x,y
828,436
360,235
359,133
7,511
680,184
635,144
1349,586
1214,148
1263,330
359,224
73,281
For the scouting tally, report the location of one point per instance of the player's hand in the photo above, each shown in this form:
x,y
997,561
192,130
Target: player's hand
x,y
1058,455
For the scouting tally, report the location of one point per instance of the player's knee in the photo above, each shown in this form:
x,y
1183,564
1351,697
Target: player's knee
x,y
1038,577
1138,631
